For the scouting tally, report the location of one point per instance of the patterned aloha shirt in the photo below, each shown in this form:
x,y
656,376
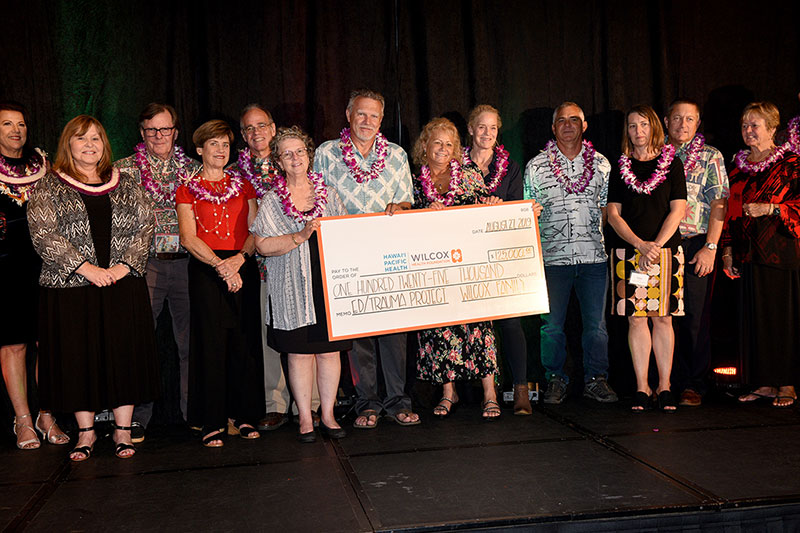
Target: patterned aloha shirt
x,y
392,186
705,182
571,225
167,236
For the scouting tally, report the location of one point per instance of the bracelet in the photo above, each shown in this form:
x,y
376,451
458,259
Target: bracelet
x,y
294,241
245,255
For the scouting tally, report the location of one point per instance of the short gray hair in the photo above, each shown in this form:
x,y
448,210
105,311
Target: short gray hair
x,y
366,93
250,107
567,104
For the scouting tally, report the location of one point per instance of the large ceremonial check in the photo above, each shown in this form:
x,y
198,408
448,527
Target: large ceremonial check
x,y
423,269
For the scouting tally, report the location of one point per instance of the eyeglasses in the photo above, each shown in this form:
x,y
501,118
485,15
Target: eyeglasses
x,y
261,126
152,132
288,154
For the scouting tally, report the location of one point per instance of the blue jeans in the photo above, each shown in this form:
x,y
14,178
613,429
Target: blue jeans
x,y
590,282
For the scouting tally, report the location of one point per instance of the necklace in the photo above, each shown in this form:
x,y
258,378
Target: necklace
x,y
572,187
430,191
281,188
89,190
349,156
500,166
231,187
163,192
262,178
656,178
693,151
18,185
754,168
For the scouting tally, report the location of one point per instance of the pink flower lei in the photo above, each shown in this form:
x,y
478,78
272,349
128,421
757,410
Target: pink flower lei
x,y
320,198
161,192
232,190
430,191
348,153
261,180
794,135
656,178
19,185
500,165
693,151
754,168
570,187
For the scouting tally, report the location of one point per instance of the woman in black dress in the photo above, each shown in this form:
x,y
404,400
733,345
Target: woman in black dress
x,y
646,202
285,233
21,167
92,227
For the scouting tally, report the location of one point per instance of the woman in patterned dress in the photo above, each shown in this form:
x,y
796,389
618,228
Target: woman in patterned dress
x,y
646,201
464,351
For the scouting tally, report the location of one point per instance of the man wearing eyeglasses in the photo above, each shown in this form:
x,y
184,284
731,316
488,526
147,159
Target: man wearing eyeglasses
x,y
371,175
160,166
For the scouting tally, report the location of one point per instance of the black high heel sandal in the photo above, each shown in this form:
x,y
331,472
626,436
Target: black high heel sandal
x,y
85,451
122,446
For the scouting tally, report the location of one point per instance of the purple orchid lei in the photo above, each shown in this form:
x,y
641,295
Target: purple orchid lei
x,y
232,189
693,151
320,198
381,148
500,166
754,168
430,190
570,187
162,193
261,181
656,178
794,135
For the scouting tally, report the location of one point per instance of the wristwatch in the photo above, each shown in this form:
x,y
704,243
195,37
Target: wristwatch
x,y
776,210
710,245
245,254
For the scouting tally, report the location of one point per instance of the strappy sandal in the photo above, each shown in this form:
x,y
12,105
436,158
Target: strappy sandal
x,y
491,410
30,444
85,451
247,431
124,446
443,410
47,434
215,435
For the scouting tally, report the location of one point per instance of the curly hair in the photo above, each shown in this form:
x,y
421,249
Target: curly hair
x,y
418,152
295,132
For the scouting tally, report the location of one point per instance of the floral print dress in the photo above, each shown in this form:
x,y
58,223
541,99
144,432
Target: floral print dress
x,y
464,351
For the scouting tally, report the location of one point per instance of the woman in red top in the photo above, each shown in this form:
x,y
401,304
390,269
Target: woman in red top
x,y
761,242
215,209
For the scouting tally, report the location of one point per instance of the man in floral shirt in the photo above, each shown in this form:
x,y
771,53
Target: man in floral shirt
x,y
371,175
160,166
570,179
707,202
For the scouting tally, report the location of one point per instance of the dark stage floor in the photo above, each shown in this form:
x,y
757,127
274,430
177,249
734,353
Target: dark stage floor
x,y
576,467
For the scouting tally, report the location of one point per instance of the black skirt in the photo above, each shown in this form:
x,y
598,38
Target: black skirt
x,y
314,338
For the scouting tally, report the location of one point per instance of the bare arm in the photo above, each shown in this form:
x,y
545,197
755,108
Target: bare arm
x,y
677,210
281,244
189,239
704,259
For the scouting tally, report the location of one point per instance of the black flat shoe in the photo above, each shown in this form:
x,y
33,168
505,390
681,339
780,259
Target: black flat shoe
x,y
332,433
307,438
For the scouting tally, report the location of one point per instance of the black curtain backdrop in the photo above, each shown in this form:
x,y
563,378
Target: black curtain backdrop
x,y
429,58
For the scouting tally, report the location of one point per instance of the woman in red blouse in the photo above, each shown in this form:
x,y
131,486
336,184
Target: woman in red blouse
x,y
215,209
762,246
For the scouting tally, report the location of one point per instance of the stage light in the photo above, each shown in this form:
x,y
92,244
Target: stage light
x,y
726,371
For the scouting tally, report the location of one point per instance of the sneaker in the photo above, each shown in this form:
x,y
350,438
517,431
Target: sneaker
x,y
599,390
137,433
556,390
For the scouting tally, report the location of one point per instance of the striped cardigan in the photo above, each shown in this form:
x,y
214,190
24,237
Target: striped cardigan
x,y
61,235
